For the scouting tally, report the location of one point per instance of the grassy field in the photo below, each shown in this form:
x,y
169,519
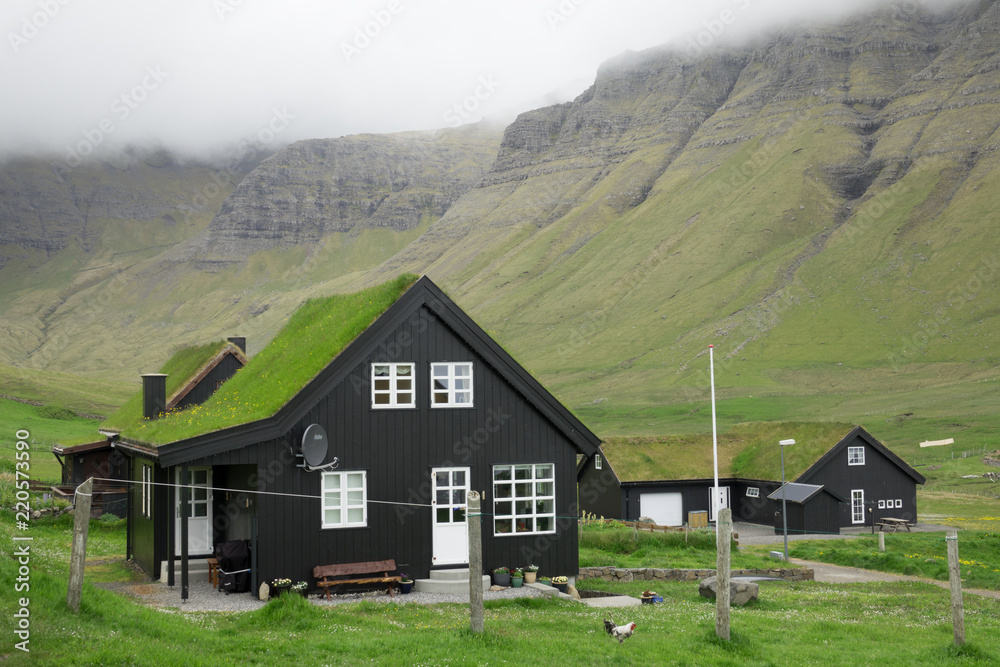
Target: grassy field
x,y
891,624
619,546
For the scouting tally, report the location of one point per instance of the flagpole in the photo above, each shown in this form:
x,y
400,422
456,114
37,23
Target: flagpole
x,y
715,445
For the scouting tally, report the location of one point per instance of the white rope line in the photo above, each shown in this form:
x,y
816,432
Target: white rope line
x,y
266,493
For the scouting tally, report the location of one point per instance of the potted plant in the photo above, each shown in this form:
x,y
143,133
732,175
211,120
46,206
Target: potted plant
x,y
279,586
516,577
648,597
560,583
300,587
405,584
530,573
501,576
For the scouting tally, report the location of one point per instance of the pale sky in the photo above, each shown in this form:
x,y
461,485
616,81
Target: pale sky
x,y
197,75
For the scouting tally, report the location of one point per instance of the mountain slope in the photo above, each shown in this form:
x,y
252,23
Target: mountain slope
x,y
817,204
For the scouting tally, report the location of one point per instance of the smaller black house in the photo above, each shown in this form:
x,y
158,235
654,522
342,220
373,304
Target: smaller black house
x,y
811,508
201,371
844,477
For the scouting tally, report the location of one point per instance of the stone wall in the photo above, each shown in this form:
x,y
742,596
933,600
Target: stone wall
x,y
661,574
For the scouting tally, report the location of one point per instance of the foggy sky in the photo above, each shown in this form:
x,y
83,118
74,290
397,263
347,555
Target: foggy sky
x,y
198,75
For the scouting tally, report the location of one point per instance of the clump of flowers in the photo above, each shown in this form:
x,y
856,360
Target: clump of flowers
x,y
501,570
531,568
300,586
560,580
281,582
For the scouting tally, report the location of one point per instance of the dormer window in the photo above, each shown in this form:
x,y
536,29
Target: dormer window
x,y
598,463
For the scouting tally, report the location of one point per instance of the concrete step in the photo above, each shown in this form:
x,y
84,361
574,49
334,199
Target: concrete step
x,y
197,569
448,581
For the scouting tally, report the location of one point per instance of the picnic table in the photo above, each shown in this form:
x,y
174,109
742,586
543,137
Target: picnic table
x,y
895,524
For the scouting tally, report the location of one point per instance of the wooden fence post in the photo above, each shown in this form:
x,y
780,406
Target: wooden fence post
x,y
724,525
81,524
474,518
881,541
955,577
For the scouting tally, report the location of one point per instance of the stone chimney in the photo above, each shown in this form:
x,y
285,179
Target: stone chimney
x,y
154,395
240,342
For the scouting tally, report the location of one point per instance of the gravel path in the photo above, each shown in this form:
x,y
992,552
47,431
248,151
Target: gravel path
x,y
202,597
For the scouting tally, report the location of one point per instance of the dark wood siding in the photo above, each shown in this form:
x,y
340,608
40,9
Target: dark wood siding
x,y
600,491
397,448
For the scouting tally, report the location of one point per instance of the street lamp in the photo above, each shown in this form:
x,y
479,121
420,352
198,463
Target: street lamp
x,y
784,507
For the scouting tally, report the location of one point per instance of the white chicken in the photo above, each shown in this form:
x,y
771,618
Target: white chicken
x,y
619,632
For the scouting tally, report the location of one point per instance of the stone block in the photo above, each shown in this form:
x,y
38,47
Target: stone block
x,y
740,592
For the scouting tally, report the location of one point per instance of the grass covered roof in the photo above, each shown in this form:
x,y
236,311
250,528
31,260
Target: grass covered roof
x,y
749,451
313,336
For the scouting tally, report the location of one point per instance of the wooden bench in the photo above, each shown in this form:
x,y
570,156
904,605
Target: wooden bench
x,y
377,571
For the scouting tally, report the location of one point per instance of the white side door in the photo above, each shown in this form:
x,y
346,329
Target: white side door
x,y
449,498
199,512
723,501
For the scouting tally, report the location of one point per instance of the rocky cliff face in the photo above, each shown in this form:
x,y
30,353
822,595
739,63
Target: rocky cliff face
x,y
317,187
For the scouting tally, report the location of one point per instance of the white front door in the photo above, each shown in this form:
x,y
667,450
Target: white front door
x,y
723,501
450,533
199,512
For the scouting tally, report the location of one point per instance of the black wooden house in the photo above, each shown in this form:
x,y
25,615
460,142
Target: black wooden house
x,y
846,478
414,410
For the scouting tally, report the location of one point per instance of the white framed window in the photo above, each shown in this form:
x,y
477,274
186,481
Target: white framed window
x,y
524,499
899,503
147,491
857,506
451,385
345,499
856,456
392,386
881,504
598,462
753,491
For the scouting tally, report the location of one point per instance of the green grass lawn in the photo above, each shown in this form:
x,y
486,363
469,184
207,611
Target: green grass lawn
x,y
615,545
919,554
802,623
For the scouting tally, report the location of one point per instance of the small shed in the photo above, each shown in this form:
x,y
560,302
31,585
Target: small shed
x,y
811,508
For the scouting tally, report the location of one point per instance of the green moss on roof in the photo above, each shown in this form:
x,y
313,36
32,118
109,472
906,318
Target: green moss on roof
x,y
180,368
748,450
313,336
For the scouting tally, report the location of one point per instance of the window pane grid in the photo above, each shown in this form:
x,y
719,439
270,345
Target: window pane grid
x,y
451,385
524,499
855,456
344,499
392,386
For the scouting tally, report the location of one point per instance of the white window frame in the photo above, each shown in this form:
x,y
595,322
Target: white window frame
x,y
856,456
450,379
395,387
598,462
753,492
147,491
857,506
508,498
346,498
881,504
899,503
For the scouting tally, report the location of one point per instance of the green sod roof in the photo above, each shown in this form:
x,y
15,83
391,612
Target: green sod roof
x,y
749,451
180,368
313,336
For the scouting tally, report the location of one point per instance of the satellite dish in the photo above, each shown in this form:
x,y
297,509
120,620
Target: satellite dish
x,y
314,445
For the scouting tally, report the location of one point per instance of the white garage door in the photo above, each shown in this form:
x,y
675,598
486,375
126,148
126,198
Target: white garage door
x,y
663,508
